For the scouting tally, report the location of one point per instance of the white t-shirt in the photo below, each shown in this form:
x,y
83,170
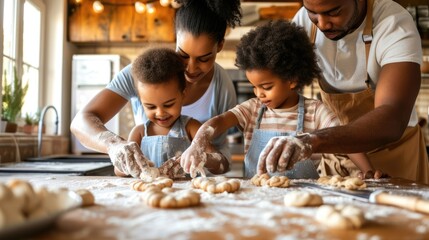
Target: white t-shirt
x,y
395,39
200,109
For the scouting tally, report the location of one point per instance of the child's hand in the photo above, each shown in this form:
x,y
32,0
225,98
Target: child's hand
x,y
172,169
194,159
128,158
370,174
281,153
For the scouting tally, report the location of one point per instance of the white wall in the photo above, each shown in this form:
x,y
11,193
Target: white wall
x,y
57,54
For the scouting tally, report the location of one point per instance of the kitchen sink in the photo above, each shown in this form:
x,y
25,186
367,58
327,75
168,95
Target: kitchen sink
x,y
88,165
71,158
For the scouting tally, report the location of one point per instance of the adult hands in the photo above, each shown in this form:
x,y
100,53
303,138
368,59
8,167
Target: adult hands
x,y
128,158
281,153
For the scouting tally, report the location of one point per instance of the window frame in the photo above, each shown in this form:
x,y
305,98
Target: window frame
x,y
40,5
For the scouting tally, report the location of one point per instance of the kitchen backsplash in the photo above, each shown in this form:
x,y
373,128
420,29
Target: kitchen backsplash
x,y
19,146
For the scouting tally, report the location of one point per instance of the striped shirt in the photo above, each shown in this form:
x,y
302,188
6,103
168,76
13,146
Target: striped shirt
x,y
317,116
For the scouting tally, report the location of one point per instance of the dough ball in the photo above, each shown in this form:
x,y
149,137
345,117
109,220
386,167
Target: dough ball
x,y
340,216
302,199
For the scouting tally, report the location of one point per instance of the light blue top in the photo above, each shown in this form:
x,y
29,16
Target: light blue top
x,y
223,99
160,148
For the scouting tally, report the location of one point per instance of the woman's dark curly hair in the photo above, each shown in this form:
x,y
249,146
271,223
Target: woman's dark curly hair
x,y
159,65
208,17
281,47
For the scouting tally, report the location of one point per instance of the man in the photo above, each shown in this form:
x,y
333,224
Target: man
x,y
370,54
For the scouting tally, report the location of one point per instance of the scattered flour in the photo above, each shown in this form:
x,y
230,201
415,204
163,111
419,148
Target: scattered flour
x,y
252,212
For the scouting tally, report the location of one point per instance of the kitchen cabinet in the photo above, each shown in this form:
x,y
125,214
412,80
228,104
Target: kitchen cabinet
x,y
119,23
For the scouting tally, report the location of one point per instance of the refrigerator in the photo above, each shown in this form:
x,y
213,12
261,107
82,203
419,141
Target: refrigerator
x,y
90,74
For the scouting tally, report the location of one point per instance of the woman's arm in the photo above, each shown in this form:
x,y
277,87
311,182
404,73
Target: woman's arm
x,y
88,127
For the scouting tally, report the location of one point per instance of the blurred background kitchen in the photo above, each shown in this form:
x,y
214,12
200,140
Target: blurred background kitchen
x,y
67,50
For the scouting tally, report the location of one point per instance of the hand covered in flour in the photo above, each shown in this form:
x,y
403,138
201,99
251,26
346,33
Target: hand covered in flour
x,y
172,169
281,153
193,159
128,158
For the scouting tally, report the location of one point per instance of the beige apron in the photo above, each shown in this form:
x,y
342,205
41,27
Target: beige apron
x,y
398,159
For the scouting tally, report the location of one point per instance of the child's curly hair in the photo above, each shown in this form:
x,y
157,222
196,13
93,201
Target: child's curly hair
x,y
281,47
159,65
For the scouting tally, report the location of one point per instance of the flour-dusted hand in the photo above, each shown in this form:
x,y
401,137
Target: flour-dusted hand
x,y
128,158
172,169
281,153
194,158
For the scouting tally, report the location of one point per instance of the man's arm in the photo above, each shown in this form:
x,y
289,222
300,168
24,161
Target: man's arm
x,y
395,96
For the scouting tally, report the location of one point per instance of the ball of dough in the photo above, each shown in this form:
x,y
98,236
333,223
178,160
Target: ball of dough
x,y
159,182
170,198
273,181
88,198
340,216
216,184
302,199
23,191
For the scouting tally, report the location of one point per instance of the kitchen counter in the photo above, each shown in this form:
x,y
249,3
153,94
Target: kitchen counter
x,y
251,213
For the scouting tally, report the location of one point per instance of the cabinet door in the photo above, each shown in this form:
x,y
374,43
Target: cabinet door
x,y
160,25
120,23
86,26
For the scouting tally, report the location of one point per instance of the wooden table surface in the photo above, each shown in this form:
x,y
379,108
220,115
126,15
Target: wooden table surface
x,y
251,213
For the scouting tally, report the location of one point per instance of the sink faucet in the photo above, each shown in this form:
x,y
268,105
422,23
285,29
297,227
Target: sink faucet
x,y
39,132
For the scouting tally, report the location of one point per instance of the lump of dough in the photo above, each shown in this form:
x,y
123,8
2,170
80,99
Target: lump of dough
x,y
340,216
302,199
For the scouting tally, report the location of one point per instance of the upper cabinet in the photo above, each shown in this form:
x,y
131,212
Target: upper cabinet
x,y
119,22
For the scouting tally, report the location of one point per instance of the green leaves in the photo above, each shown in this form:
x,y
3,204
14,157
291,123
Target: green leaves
x,y
13,97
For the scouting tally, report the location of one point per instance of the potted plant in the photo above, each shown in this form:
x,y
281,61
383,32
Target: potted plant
x,y
31,123
13,100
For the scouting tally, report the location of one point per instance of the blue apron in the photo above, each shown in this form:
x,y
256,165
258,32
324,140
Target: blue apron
x,y
160,148
260,138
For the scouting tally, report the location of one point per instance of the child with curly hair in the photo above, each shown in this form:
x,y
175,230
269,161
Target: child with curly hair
x,y
279,61
160,81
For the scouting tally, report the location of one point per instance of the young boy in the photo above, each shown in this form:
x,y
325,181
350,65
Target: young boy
x,y
160,82
279,61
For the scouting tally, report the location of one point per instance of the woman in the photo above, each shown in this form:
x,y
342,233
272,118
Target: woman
x,y
200,30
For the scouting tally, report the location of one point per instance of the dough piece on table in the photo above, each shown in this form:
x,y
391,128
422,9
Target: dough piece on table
x,y
302,199
216,184
23,191
273,181
159,182
351,183
88,198
340,216
170,198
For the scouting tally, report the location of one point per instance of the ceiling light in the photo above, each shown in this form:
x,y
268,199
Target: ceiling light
x,y
97,6
150,8
140,7
164,3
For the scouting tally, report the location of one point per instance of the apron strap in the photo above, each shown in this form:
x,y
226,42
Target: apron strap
x,y
300,118
260,114
301,112
367,36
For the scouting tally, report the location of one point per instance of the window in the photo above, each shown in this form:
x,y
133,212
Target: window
x,y
22,44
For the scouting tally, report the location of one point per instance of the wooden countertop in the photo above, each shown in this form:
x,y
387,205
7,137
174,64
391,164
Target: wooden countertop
x,y
251,213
